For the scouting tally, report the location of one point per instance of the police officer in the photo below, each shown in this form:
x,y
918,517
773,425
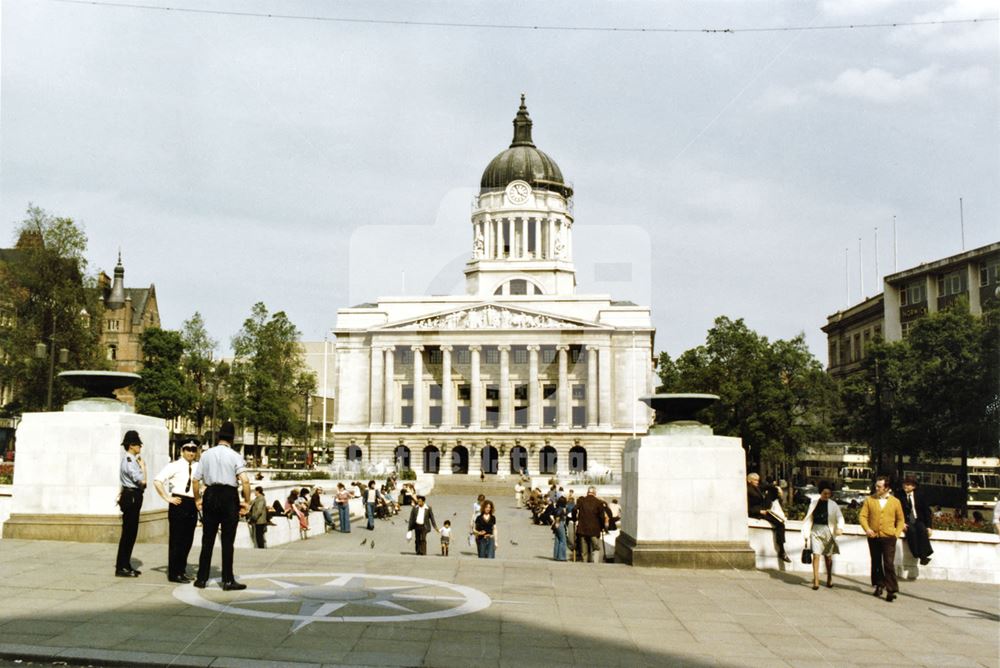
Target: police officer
x,y
215,494
132,475
174,484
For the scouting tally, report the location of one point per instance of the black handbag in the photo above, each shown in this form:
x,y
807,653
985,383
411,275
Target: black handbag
x,y
807,555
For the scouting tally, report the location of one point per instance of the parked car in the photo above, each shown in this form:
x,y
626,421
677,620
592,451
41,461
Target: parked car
x,y
845,496
805,494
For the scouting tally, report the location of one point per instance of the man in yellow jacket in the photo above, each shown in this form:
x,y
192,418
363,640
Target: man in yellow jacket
x,y
882,519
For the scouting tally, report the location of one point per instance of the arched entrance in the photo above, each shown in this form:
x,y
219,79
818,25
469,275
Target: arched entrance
x,y
547,460
402,457
490,461
577,459
432,459
518,460
459,459
353,453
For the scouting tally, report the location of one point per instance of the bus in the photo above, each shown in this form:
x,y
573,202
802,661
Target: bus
x,y
941,481
856,480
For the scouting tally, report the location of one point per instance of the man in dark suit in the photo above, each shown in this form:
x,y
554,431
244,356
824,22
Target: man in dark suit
x,y
759,506
421,523
917,513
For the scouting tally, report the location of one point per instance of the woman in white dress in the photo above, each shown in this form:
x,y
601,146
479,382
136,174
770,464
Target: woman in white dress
x,y
823,523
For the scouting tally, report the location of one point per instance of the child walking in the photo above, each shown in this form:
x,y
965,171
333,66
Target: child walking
x,y
445,537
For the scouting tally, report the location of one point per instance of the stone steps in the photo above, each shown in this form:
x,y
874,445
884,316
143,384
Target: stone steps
x,y
462,485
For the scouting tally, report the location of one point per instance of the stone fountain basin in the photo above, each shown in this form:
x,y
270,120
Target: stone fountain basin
x,y
681,407
99,388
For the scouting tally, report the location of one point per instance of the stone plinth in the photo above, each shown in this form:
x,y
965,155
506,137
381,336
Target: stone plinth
x,y
66,478
684,500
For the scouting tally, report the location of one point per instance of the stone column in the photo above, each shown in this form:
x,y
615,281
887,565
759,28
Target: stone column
x,y
538,237
447,390
563,420
389,415
419,407
504,422
475,391
500,239
591,386
604,386
534,403
375,416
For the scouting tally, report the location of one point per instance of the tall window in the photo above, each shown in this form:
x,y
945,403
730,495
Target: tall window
x,y
112,351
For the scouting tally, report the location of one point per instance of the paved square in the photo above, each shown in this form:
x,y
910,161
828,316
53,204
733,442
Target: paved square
x,y
326,601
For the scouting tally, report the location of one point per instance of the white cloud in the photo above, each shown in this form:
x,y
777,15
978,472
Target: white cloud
x,y
878,85
780,97
842,8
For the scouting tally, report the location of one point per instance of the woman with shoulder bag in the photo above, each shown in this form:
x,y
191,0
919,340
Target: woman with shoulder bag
x,y
822,524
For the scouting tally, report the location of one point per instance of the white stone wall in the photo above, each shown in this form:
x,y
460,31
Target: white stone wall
x,y
958,555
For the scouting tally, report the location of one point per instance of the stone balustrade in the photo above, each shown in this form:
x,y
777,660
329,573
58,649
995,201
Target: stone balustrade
x,y
958,555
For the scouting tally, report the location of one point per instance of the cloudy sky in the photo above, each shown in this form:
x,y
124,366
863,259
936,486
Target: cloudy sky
x,y
312,164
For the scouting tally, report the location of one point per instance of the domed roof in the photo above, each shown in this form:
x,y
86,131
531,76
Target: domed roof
x,y
522,161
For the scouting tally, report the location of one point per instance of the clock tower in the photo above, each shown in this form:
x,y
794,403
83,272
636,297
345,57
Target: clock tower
x,y
522,223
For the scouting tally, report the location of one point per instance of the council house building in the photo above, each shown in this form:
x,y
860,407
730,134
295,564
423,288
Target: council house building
x,y
520,373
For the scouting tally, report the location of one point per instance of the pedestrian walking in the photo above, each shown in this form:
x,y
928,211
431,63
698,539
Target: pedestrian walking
x,y
132,476
421,522
445,537
174,484
257,518
881,516
590,517
215,486
821,526
371,500
485,530
559,530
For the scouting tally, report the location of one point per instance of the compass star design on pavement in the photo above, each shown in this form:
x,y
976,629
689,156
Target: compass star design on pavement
x,y
339,597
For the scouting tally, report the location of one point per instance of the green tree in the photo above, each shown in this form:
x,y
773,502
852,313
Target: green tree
x,y
47,298
199,370
774,396
931,396
163,390
267,375
871,401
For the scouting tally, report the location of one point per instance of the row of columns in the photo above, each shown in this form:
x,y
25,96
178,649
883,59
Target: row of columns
x,y
547,231
383,393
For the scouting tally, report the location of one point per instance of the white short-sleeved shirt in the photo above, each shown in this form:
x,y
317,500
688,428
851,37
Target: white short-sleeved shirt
x,y
175,476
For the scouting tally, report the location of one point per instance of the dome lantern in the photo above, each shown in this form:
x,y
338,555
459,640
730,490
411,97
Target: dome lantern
x,y
523,161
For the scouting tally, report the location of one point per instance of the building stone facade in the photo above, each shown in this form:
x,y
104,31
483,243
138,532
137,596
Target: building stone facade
x,y
909,295
128,312
518,374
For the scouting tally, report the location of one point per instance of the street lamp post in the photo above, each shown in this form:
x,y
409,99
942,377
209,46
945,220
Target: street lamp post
x,y
40,352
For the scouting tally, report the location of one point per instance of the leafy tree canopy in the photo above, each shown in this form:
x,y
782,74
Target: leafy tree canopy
x,y
46,298
162,391
268,374
774,396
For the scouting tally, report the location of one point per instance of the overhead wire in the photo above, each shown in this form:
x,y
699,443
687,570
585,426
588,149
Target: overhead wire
x,y
514,26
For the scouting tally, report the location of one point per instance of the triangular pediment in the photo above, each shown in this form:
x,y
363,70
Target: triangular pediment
x,y
491,316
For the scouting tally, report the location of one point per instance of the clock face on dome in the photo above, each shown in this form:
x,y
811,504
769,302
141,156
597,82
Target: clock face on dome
x,y
518,192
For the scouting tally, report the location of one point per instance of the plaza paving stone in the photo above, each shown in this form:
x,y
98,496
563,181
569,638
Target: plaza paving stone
x,y
61,602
